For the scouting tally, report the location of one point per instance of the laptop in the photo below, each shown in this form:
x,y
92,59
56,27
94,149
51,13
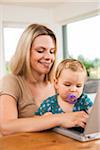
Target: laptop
x,y
92,129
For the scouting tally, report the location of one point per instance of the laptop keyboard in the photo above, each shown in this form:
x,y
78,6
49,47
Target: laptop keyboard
x,y
78,129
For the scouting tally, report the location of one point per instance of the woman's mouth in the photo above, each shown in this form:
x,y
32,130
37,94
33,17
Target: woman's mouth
x,y
45,64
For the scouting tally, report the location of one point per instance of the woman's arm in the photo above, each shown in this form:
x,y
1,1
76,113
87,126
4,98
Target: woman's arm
x,y
10,123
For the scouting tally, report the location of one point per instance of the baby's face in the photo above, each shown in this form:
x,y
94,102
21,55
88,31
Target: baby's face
x,y
70,82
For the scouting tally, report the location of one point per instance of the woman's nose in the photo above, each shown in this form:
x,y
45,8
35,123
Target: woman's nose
x,y
47,55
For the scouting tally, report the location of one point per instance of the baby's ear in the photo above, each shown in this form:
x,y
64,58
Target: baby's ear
x,y
55,83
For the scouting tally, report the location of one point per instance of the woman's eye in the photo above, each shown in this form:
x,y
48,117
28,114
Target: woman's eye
x,y
52,51
40,50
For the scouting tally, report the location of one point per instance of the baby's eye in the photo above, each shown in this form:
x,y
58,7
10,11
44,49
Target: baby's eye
x,y
67,84
79,86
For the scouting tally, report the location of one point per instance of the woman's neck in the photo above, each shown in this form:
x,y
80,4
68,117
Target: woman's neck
x,y
38,78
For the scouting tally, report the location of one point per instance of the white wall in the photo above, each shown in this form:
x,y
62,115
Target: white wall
x,y
74,10
25,14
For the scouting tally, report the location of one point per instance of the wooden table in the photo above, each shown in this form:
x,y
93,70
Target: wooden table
x,y
47,140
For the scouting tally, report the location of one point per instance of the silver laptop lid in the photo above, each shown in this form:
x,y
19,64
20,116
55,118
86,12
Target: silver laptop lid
x,y
93,123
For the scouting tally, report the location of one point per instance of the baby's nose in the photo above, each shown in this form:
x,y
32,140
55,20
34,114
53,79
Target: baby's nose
x,y
73,88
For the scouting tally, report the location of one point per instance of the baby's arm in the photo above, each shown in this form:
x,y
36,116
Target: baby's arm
x,y
88,104
44,108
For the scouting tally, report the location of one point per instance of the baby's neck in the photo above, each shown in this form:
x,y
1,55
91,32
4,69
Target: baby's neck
x,y
66,107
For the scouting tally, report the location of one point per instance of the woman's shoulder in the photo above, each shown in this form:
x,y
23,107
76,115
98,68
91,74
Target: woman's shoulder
x,y
9,79
9,84
8,76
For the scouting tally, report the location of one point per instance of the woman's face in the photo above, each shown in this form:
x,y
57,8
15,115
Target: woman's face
x,y
42,54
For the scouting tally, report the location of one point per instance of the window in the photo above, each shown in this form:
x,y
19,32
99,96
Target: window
x,y
11,37
82,42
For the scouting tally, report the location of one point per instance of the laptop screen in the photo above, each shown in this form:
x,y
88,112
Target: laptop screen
x,y
93,123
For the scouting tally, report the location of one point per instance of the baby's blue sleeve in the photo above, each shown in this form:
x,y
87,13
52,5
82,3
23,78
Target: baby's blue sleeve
x,y
88,102
44,107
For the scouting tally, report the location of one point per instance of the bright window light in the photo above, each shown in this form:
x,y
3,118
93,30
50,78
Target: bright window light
x,y
11,37
83,38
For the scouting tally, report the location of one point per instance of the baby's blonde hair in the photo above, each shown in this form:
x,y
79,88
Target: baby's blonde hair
x,y
72,64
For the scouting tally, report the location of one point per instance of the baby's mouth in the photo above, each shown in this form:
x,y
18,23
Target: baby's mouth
x,y
71,99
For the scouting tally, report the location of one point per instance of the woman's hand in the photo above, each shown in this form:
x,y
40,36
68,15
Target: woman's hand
x,y
47,114
72,119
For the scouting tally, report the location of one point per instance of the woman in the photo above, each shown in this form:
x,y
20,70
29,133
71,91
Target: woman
x,y
22,91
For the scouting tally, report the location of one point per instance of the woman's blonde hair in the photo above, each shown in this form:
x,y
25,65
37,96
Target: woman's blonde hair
x,y
20,62
73,64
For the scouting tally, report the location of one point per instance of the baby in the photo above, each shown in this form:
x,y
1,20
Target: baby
x,y
70,77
